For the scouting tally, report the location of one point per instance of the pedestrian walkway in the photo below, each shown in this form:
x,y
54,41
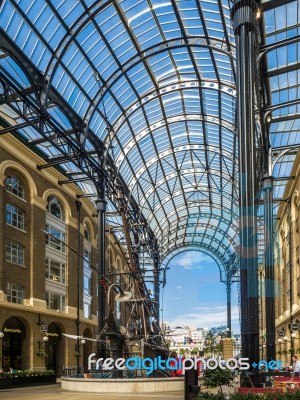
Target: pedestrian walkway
x,y
51,392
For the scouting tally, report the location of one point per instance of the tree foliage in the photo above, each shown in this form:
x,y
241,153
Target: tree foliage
x,y
217,377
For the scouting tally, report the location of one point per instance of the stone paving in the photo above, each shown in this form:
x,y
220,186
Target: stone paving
x,y
54,392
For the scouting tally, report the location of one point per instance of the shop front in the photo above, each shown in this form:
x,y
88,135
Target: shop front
x,y
13,344
54,349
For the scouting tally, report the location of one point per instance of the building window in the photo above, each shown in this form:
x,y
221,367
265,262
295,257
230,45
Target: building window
x,y
87,272
55,301
55,271
15,186
15,252
86,310
15,293
87,234
87,284
57,238
15,216
55,208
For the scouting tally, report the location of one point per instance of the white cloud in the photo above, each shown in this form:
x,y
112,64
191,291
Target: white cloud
x,y
207,317
178,287
185,261
192,260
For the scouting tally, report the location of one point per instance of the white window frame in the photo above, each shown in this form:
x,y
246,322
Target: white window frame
x,y
15,251
15,189
57,245
60,205
19,292
20,217
61,278
49,300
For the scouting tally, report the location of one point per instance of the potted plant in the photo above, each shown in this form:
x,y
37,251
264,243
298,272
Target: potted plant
x,y
217,377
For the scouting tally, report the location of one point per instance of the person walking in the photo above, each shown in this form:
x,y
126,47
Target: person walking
x,y
296,365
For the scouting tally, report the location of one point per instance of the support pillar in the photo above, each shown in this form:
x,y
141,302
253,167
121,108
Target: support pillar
x,y
228,291
243,14
156,283
78,206
267,186
291,271
101,267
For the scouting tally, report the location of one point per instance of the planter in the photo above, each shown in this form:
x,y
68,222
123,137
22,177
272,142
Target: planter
x,y
34,380
24,381
6,383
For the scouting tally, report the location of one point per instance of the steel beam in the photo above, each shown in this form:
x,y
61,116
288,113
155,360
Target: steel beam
x,y
228,292
243,14
101,262
269,267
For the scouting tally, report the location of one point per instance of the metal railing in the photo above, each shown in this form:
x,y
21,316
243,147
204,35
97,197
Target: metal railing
x,y
82,372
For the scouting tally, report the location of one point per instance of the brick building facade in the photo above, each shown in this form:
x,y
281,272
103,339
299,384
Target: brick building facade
x,y
38,273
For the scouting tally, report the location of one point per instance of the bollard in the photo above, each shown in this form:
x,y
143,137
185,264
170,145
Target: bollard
x,y
191,387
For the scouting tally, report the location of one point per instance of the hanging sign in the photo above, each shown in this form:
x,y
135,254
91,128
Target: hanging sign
x,y
44,328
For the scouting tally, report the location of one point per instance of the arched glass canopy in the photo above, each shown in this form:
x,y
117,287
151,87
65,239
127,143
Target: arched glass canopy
x,y
155,81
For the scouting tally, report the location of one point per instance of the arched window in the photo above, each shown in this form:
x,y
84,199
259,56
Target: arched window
x,y
15,216
87,234
55,208
15,186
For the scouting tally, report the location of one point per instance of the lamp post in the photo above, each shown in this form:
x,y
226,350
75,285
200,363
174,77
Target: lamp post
x,y
121,296
293,337
280,341
1,337
262,349
40,342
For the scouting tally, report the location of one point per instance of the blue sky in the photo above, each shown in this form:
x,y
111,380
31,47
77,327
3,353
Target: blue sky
x,y
194,294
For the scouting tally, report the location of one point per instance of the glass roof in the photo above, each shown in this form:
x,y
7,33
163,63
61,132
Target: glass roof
x,y
280,56
155,81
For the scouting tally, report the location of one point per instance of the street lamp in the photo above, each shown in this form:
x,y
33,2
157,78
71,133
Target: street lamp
x,y
40,342
45,339
120,297
1,335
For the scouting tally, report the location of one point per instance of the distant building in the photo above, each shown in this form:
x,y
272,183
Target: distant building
x,y
187,338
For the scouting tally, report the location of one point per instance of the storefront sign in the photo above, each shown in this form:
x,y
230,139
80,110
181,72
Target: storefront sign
x,y
52,334
11,330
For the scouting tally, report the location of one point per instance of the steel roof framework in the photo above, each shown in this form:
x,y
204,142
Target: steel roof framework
x,y
153,83
162,100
